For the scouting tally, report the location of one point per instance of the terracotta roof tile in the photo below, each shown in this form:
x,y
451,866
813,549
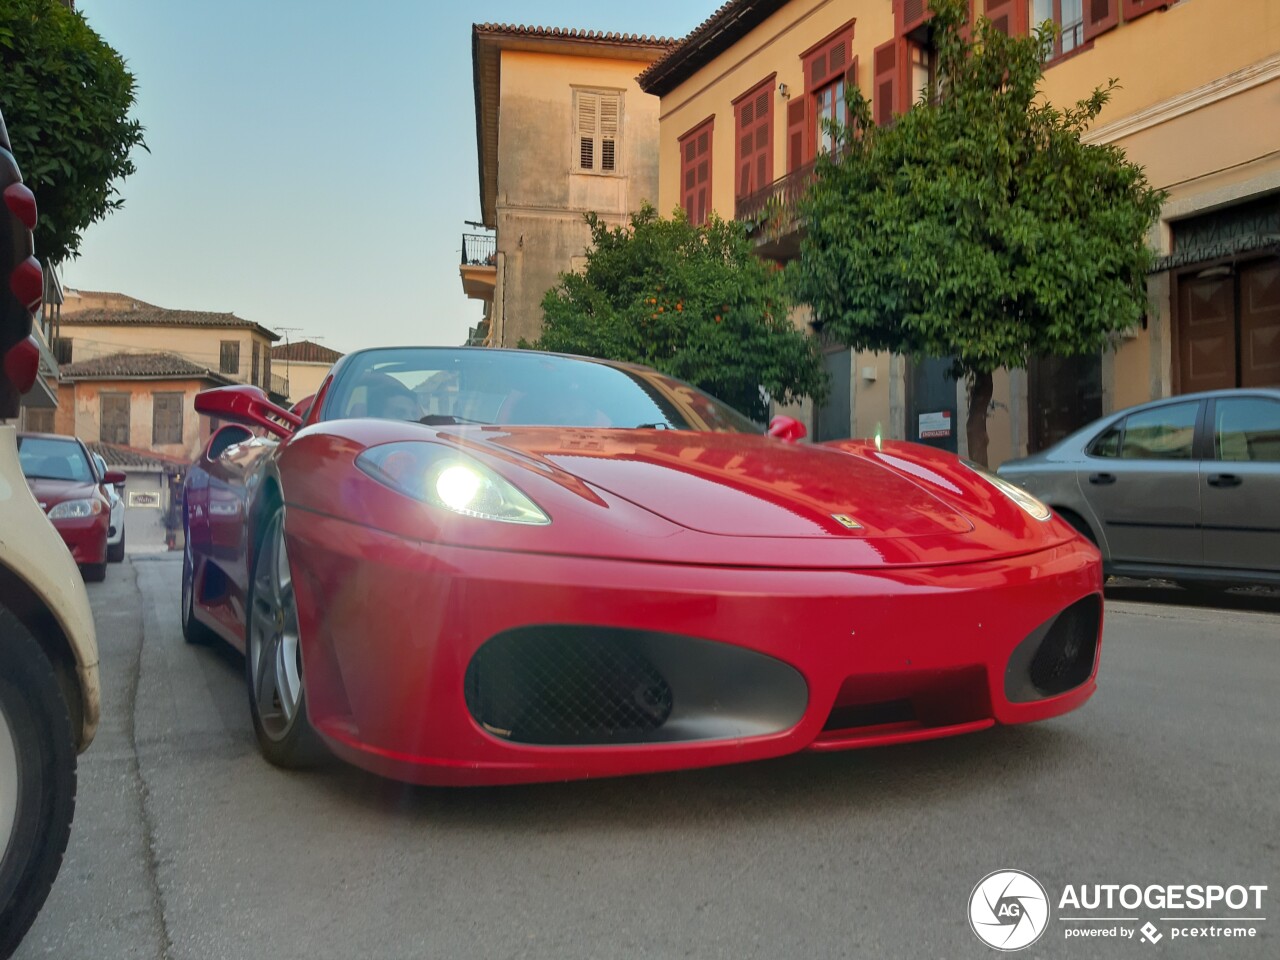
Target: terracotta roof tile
x,y
304,351
731,22
120,456
127,365
146,315
572,33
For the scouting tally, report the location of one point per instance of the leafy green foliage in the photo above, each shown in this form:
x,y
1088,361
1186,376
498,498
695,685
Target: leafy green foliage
x,y
65,95
978,226
694,302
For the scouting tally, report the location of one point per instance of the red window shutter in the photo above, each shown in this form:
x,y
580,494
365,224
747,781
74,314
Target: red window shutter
x,y
1008,16
885,64
1099,17
695,172
797,134
909,14
753,120
1136,8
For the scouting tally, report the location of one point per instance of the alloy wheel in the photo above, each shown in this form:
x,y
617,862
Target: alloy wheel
x,y
274,658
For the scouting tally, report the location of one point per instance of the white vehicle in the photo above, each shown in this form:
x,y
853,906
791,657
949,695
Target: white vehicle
x,y
115,533
49,693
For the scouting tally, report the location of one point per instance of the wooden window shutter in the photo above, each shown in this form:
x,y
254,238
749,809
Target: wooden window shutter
x,y
113,418
1010,17
754,140
588,124
910,14
1137,8
1099,17
695,172
609,111
797,134
885,65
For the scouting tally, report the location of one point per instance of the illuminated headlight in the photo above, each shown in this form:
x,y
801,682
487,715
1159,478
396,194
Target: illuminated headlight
x,y
75,509
1033,507
443,477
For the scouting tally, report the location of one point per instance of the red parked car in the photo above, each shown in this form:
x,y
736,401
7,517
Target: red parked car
x,y
61,474
474,566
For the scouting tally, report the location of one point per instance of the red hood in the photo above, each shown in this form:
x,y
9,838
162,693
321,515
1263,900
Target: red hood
x,y
685,497
740,485
49,492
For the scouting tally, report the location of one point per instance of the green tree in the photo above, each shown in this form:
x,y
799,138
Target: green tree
x,y
693,302
977,226
65,95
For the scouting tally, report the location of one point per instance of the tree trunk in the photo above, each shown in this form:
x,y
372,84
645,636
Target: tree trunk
x,y
980,390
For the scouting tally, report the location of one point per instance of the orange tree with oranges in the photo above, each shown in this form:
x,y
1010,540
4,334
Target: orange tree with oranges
x,y
693,301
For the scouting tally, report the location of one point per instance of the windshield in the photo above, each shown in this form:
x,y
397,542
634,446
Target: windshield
x,y
47,459
436,386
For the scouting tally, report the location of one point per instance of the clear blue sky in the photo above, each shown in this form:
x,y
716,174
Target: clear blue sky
x,y
312,162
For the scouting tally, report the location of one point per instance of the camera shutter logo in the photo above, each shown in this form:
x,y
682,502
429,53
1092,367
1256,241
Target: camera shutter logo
x,y
1008,910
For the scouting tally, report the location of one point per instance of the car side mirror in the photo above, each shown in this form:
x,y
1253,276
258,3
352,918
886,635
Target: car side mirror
x,y
114,477
248,406
787,429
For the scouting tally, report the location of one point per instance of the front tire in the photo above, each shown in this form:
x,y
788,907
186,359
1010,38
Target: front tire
x,y
193,631
37,779
94,572
115,551
273,657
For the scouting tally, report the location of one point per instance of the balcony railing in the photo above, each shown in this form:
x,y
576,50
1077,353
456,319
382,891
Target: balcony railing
x,y
479,250
778,200
279,385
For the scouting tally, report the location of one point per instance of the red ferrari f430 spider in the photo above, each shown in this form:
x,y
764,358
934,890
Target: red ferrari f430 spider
x,y
475,566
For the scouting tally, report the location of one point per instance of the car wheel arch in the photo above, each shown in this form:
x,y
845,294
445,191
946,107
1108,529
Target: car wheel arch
x,y
17,596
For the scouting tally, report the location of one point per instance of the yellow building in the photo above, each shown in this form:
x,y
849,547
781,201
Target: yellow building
x,y
562,129
99,324
303,365
743,97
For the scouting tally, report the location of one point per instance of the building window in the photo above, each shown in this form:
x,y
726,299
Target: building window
x,y
38,419
753,119
166,418
829,69
1067,16
695,172
257,359
266,368
597,116
114,418
229,357
924,73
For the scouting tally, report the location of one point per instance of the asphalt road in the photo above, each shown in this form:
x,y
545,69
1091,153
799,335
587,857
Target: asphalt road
x,y
187,845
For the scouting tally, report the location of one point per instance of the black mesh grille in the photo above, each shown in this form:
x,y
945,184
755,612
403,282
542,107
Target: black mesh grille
x,y
566,685
1065,657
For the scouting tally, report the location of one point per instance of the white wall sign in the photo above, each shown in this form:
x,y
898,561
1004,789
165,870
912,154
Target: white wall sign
x,y
934,425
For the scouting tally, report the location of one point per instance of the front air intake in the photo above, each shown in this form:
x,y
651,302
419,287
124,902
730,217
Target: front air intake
x,y
1057,656
575,685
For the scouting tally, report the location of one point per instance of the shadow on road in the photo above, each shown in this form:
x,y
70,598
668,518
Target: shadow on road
x,y
1255,599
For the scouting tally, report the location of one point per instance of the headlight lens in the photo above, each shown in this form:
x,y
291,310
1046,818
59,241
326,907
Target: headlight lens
x,y
75,509
1033,507
443,477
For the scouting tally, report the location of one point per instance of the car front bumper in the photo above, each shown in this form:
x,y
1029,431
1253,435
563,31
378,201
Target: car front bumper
x,y
85,537
389,628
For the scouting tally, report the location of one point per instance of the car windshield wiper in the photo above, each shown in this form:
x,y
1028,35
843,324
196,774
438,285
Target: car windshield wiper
x,y
444,419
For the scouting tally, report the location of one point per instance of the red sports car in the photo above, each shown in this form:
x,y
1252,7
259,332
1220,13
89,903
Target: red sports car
x,y
473,566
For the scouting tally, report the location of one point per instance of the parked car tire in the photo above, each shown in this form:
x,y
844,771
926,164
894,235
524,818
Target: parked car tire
x,y
94,572
37,779
115,551
272,658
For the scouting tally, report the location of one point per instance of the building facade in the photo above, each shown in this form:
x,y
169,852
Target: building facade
x,y
562,129
303,365
743,98
93,324
144,402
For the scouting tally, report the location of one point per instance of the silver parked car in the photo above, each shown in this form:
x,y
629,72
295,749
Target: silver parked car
x,y
115,533
1186,488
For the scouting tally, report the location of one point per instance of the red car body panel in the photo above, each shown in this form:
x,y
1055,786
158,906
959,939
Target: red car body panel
x,y
85,537
898,585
